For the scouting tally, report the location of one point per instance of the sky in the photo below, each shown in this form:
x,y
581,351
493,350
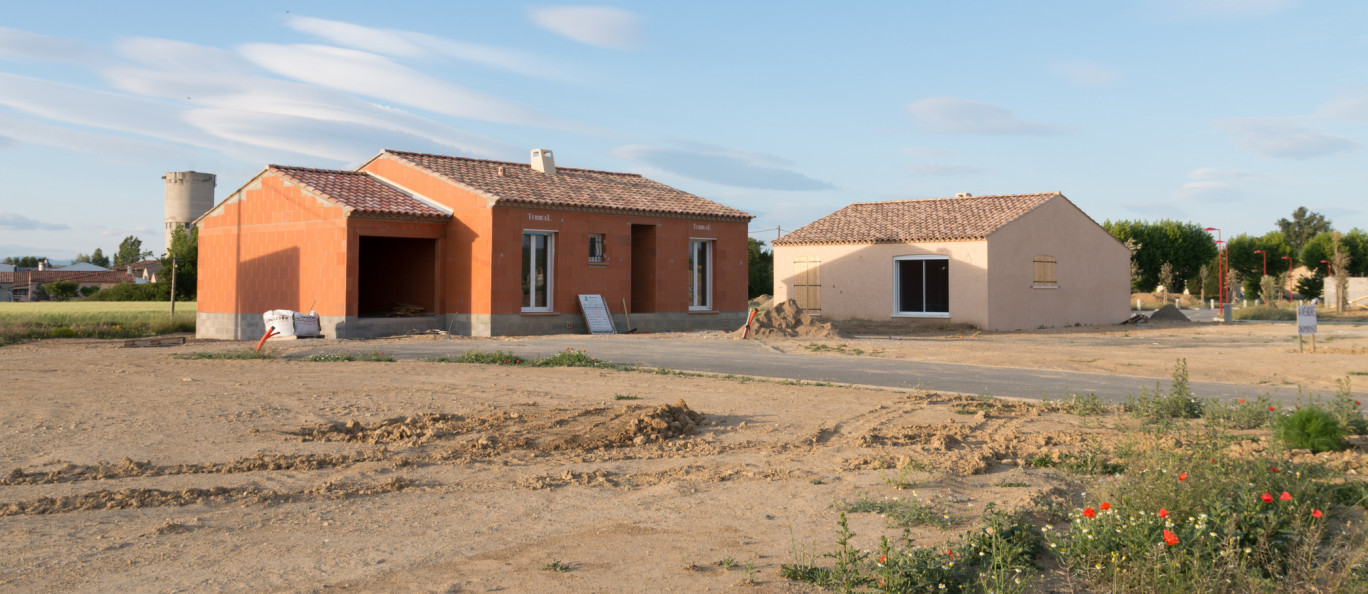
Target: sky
x,y
1225,113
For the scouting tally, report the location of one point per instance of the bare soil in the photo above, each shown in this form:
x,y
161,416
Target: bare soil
x,y
128,469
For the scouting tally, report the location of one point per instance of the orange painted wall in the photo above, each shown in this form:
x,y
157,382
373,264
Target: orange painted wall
x,y
575,275
465,255
276,247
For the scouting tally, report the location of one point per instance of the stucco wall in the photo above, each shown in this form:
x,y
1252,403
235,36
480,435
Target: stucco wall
x,y
857,280
1093,271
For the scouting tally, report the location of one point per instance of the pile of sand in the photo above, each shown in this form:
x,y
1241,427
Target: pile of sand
x,y
1168,313
786,319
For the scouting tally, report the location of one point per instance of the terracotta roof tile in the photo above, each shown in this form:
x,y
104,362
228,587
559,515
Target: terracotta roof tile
x,y
940,219
585,188
358,191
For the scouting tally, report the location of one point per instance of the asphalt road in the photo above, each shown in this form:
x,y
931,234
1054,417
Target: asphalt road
x,y
751,358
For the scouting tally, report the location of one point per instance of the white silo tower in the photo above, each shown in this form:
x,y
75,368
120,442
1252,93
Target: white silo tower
x,y
189,194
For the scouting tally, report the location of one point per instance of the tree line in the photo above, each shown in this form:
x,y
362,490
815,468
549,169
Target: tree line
x,y
1177,255
184,249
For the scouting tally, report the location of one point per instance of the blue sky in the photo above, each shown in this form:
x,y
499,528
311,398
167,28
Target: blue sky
x,y
1228,113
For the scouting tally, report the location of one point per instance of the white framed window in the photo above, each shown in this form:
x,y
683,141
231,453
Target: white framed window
x,y
596,250
538,270
1043,272
700,274
921,286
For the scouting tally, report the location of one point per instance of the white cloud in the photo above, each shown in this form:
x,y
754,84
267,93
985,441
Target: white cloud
x,y
943,169
1353,108
372,75
410,44
1284,139
1085,73
12,221
1207,191
599,26
30,131
949,115
722,166
111,111
17,44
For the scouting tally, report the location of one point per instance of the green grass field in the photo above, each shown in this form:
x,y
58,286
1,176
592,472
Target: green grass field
x,y
93,319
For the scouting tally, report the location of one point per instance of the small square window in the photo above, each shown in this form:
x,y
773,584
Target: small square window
x,y
596,254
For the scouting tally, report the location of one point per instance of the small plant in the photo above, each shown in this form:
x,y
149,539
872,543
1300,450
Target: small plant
x,y
1011,484
330,357
625,397
1179,403
1085,406
751,573
487,358
557,566
727,564
900,512
1311,428
903,478
376,355
1242,414
234,354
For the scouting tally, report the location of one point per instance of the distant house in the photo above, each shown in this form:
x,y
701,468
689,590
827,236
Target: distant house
x,y
483,248
145,270
6,282
996,262
22,280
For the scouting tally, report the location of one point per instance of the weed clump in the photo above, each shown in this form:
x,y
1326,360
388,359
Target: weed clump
x,y
1312,429
1178,403
234,354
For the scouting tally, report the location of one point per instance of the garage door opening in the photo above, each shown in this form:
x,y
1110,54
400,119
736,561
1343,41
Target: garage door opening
x,y
396,273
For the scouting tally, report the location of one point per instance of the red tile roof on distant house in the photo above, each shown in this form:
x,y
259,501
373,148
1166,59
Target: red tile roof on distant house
x,y
358,191
939,219
518,183
21,278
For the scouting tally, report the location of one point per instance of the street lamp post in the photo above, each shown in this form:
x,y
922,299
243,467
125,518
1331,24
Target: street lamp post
x,y
1329,266
1265,260
1220,270
1289,277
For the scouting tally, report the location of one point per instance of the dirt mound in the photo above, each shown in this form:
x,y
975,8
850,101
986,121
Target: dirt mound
x,y
407,431
786,319
1168,313
626,426
142,498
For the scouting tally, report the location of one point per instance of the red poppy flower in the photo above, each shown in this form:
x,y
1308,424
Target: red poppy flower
x,y
1272,468
1357,403
1170,538
1163,513
1182,476
1266,498
1213,460
1105,506
1315,513
1088,512
950,553
883,558
1242,401
1285,496
1270,409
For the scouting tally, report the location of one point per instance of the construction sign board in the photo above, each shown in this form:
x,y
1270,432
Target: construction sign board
x,y
596,314
1306,320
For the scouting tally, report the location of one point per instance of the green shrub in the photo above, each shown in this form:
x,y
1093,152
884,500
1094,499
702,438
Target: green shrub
x,y
62,333
375,355
133,292
330,357
483,357
1311,428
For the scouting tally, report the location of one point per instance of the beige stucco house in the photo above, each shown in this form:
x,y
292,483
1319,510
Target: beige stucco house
x,y
997,262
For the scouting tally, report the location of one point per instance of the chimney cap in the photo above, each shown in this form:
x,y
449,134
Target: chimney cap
x,y
963,195
543,161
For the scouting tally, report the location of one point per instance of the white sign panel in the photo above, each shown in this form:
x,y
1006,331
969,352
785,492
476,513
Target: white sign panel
x,y
1306,319
596,314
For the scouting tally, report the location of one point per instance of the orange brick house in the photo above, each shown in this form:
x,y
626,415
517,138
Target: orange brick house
x,y
486,248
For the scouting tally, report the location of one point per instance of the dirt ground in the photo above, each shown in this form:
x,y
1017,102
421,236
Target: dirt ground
x,y
1243,353
128,469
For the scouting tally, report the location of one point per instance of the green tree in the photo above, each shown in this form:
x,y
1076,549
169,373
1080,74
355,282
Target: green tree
x,y
130,251
62,290
1356,244
24,261
1249,264
1311,287
97,258
185,248
760,280
1304,225
1321,247
1184,245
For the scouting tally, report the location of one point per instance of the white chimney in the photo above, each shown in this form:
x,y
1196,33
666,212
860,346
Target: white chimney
x,y
543,161
964,195
42,265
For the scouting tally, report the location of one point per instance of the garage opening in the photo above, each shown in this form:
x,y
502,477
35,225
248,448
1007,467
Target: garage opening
x,y
396,273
